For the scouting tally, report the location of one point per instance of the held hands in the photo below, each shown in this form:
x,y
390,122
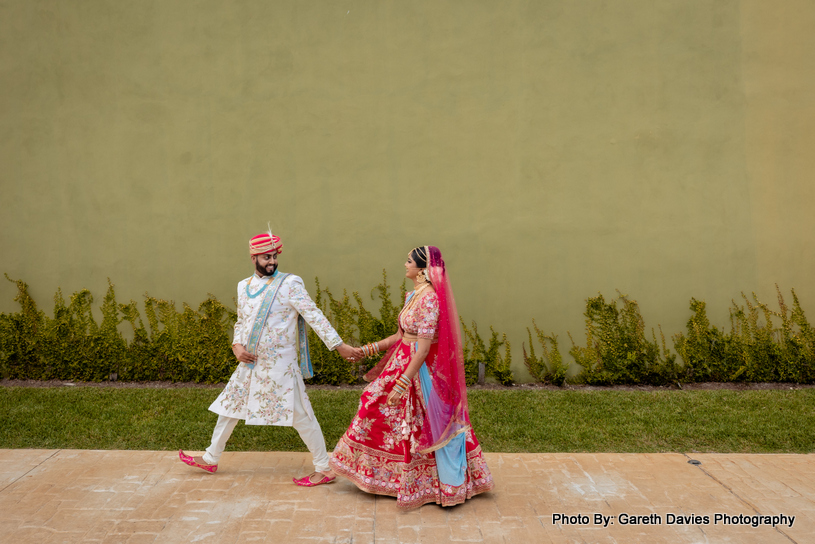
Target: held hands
x,y
368,350
349,353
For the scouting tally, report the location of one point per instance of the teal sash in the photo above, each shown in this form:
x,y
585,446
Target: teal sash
x,y
263,313
260,321
305,359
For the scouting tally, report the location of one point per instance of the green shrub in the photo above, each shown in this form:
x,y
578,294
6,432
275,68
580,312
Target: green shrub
x,y
477,352
329,367
617,351
20,337
549,367
355,325
798,338
72,342
371,328
756,343
180,346
709,354
754,350
186,346
140,360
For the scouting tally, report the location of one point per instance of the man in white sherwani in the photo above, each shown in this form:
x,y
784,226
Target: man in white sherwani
x,y
270,342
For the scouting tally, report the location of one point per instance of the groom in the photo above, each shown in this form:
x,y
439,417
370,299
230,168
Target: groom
x,y
271,345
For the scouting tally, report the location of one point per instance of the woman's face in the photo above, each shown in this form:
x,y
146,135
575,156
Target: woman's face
x,y
411,270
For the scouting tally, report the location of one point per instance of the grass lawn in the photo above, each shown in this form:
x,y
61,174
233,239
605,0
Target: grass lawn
x,y
768,421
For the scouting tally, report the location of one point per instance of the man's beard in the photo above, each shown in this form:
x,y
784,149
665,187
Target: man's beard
x,y
262,269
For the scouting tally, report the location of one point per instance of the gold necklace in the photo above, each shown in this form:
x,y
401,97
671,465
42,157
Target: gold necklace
x,y
416,292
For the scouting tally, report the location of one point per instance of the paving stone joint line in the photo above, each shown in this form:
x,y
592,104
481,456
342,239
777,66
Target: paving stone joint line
x,y
14,481
376,501
736,495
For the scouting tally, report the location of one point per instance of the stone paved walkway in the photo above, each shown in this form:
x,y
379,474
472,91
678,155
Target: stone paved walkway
x,y
54,496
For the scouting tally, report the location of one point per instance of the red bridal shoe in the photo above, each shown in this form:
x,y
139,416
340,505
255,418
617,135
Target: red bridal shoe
x,y
190,461
306,481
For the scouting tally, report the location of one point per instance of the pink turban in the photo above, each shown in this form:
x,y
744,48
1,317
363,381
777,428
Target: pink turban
x,y
265,243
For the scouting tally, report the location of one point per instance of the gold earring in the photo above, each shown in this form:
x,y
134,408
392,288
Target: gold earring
x,y
420,277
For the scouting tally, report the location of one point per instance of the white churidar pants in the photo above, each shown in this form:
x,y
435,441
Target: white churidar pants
x,y
308,428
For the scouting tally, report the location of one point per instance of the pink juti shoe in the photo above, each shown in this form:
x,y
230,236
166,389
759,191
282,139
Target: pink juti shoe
x,y
190,461
306,481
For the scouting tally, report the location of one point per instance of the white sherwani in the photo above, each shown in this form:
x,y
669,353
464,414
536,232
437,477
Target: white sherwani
x,y
265,395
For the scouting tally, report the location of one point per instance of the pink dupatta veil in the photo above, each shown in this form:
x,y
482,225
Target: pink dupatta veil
x,y
446,399
447,413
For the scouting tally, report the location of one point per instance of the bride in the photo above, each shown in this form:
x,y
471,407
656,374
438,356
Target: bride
x,y
411,437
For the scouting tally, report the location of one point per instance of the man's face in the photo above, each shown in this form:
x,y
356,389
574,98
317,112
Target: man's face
x,y
265,264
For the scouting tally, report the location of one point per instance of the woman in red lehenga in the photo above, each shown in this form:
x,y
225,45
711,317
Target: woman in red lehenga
x,y
411,437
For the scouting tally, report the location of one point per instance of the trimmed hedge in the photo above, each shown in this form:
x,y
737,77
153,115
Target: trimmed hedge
x,y
762,345
617,350
754,350
191,345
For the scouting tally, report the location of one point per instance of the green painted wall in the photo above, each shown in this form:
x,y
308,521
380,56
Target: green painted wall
x,y
550,149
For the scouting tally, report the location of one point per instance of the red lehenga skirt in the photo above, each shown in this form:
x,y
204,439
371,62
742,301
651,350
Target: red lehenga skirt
x,y
379,451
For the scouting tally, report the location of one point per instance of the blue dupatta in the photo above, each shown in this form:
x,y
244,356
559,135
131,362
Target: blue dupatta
x,y
451,459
